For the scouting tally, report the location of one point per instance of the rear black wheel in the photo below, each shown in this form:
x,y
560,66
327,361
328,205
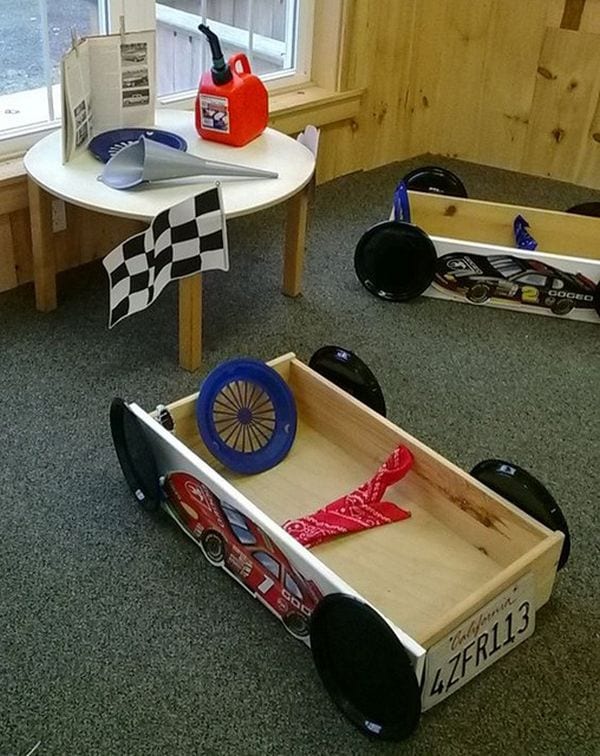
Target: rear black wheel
x,y
435,180
365,668
135,455
586,208
350,373
525,491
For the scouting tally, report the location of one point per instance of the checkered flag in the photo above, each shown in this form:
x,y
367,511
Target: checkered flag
x,y
185,239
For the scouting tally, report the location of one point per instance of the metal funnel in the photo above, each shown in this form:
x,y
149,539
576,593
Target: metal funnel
x,y
148,160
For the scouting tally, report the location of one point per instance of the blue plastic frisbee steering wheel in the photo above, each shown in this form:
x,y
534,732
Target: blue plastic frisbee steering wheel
x,y
246,415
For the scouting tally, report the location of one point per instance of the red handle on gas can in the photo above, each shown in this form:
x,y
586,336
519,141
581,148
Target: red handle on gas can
x,y
239,58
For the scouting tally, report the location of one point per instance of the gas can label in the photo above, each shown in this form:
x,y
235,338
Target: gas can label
x,y
214,113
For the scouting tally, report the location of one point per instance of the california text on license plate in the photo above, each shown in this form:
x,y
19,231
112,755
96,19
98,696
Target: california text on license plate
x,y
486,636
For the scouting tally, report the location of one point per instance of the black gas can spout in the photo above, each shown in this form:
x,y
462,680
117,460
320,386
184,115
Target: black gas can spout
x,y
221,74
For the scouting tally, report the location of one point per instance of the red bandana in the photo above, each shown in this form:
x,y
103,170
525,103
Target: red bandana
x,y
360,510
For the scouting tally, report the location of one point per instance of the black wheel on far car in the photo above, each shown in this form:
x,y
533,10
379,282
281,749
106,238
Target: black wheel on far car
x,y
597,299
213,544
479,293
562,307
296,624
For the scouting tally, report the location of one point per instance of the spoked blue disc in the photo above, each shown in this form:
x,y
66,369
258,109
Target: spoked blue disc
x,y
246,415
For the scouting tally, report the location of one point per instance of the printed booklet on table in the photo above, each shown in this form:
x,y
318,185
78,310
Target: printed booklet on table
x,y
107,82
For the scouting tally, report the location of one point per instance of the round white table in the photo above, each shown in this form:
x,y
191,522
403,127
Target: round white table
x,y
77,183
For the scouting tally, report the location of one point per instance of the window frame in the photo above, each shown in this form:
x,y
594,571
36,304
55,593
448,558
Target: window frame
x,y
141,15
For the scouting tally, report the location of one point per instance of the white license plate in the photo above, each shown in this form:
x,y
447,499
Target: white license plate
x,y
481,640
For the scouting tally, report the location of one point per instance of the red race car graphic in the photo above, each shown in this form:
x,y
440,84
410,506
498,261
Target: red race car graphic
x,y
231,540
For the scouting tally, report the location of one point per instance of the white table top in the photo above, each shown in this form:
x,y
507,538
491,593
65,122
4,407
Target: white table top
x,y
77,182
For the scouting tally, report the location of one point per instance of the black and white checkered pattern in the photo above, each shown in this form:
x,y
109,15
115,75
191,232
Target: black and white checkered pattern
x,y
183,240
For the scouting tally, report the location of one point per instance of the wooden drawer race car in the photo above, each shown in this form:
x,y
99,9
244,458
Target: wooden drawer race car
x,y
398,617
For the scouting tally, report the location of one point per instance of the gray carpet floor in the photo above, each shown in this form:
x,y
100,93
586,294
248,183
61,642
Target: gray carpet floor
x,y
117,638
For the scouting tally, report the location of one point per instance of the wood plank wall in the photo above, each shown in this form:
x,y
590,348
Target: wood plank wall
x,y
505,83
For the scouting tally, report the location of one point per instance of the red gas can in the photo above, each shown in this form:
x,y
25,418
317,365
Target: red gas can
x,y
232,105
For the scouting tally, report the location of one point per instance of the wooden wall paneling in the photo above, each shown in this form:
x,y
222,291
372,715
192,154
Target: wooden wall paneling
x,y
578,15
564,102
66,242
13,195
355,71
100,233
327,48
13,201
460,87
590,18
554,12
427,58
359,26
8,268
339,151
91,229
21,239
385,121
509,81
588,173
572,12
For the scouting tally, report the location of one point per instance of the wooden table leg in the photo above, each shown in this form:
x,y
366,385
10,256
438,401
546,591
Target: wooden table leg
x,y
295,242
42,241
190,322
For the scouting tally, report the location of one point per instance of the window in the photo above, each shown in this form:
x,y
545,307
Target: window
x,y
534,279
292,587
239,525
508,266
268,562
33,36
275,34
272,33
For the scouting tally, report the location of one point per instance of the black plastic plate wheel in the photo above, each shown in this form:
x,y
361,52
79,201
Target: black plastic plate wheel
x,y
350,373
135,455
365,668
586,208
395,261
435,180
525,491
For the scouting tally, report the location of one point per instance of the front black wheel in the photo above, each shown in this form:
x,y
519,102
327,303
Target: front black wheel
x,y
365,668
525,491
213,544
